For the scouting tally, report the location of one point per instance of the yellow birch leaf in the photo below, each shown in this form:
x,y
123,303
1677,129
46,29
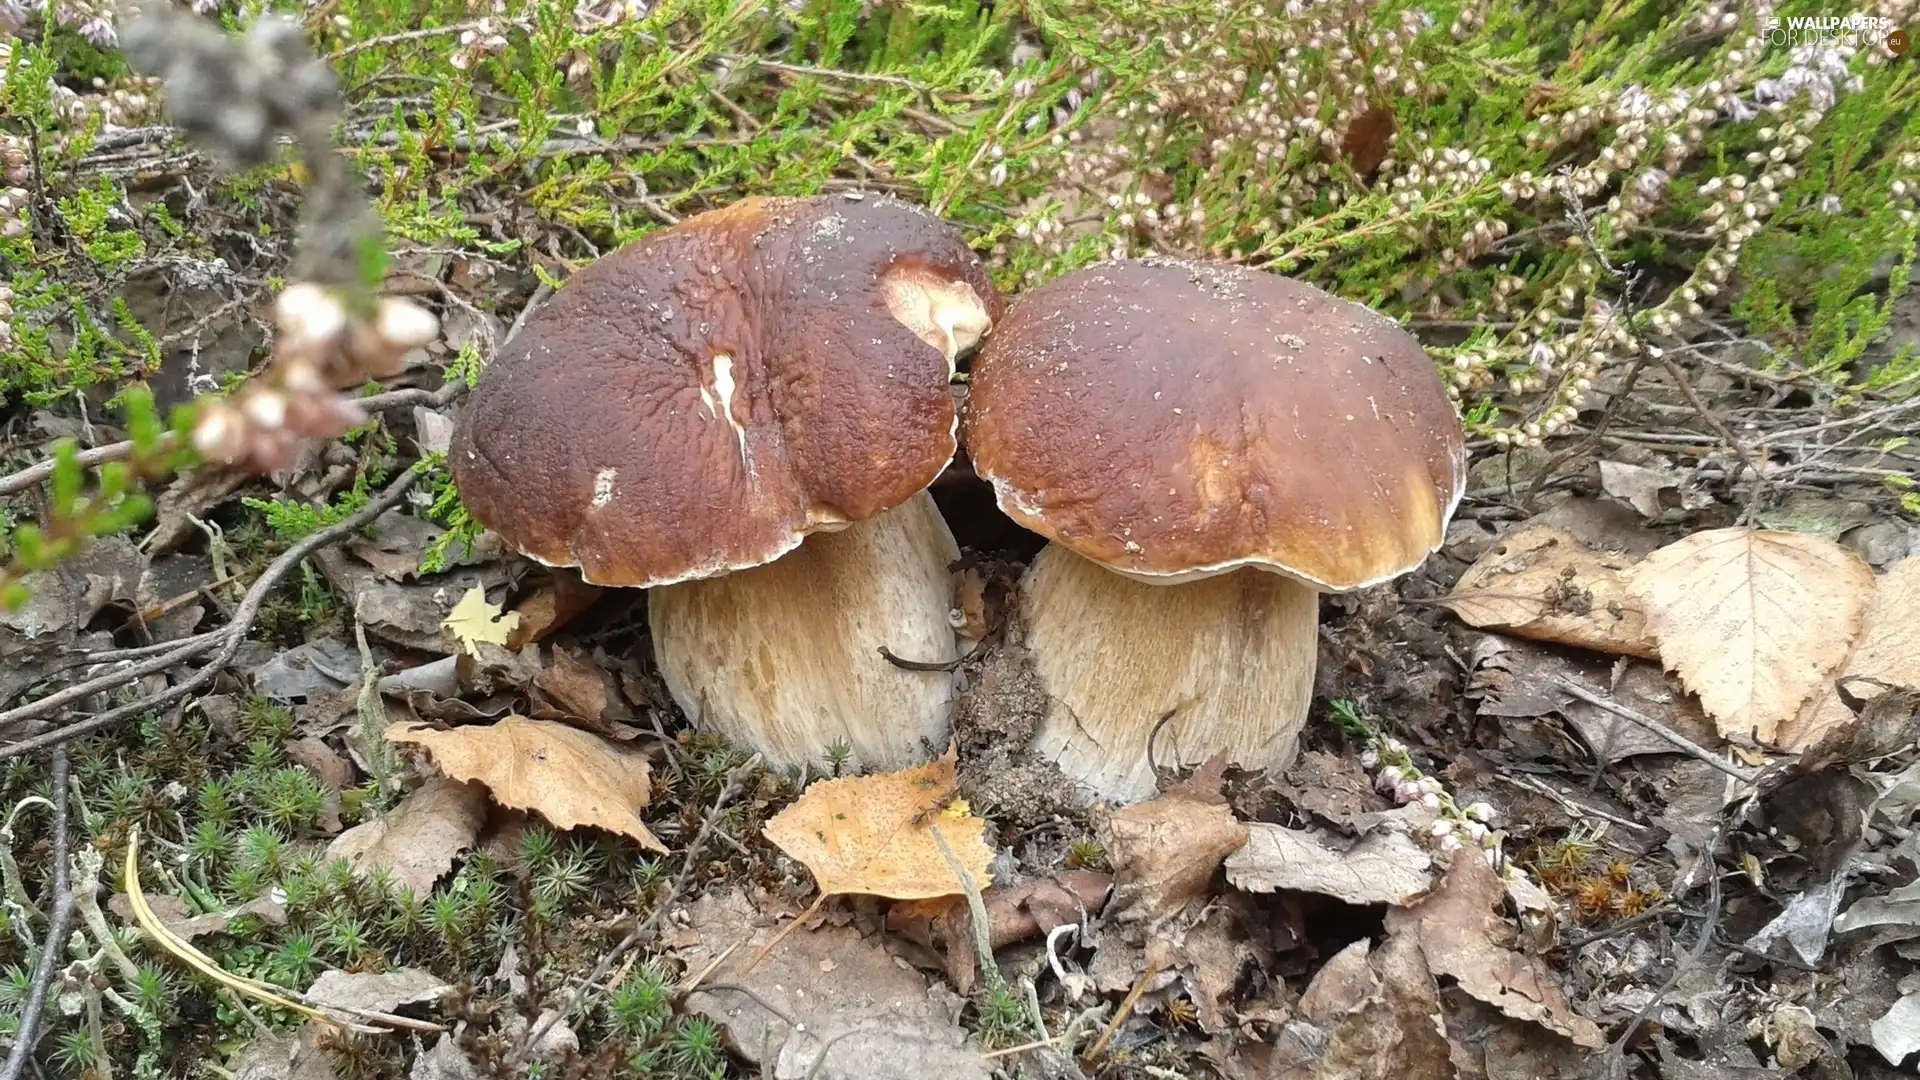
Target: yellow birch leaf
x,y
1888,651
1753,620
875,834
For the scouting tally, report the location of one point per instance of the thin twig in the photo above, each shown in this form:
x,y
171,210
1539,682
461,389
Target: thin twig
x,y
1743,457
1120,1016
735,781
230,639
39,473
60,920
1678,740
1707,933
1574,810
922,665
420,34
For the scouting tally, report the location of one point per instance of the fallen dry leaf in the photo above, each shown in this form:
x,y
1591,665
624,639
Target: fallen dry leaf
x,y
1163,916
1015,913
1753,620
571,688
1517,680
1206,952
1540,582
830,991
1888,650
444,1060
875,833
551,607
1164,851
1462,936
417,841
1383,868
314,755
282,1055
1367,1016
1332,787
568,776
1652,491
1884,726
473,620
1897,1034
382,992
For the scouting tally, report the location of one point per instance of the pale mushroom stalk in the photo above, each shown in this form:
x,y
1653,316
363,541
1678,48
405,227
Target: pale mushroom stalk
x,y
1208,448
1226,661
742,413
785,657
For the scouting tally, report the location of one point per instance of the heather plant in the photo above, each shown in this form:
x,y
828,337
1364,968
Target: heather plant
x,y
1491,173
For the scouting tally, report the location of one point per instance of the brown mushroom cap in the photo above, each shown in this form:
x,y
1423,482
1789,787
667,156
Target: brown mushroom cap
x,y
1172,420
699,401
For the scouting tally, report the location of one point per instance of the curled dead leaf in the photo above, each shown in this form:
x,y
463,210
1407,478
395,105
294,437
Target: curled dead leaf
x,y
875,833
416,841
1383,868
1015,913
830,1004
568,776
1165,850
551,607
1541,582
1753,620
1462,936
1367,1016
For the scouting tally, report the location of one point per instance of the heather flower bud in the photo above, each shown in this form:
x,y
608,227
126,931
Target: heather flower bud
x,y
404,324
220,434
309,313
264,408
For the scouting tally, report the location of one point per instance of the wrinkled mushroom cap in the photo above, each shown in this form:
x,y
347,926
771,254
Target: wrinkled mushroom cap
x,y
1172,421
701,400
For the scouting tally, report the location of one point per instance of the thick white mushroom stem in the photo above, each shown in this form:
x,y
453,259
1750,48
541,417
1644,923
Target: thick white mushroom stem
x,y
1230,656
785,658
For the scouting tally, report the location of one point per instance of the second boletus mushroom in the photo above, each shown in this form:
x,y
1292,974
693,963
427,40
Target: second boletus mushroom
x,y
742,413
1207,448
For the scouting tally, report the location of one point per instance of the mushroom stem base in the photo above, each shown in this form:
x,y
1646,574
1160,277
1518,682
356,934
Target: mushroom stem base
x,y
785,658
1231,657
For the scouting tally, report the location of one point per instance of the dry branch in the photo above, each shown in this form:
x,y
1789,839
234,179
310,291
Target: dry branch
x,y
228,639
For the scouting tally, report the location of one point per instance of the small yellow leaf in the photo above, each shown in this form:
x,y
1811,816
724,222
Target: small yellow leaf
x,y
473,620
875,834
568,776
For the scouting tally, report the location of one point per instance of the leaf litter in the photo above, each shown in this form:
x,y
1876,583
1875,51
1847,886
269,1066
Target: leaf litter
x,y
568,776
830,1003
417,841
1753,620
1463,937
881,834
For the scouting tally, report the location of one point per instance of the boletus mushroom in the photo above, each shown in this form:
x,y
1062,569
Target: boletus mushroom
x,y
1207,448
741,413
